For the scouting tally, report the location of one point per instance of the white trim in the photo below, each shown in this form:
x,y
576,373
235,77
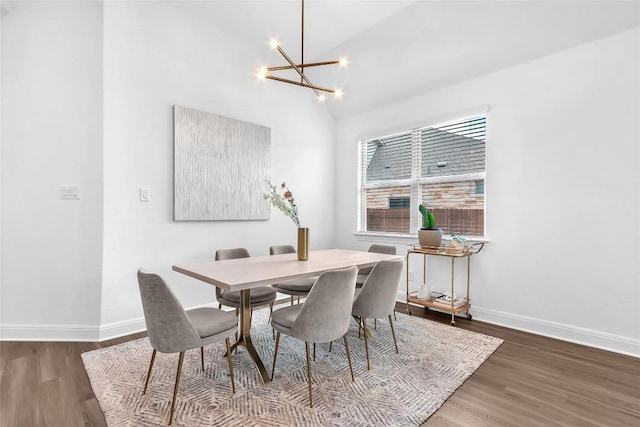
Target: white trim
x,y
74,333
560,331
408,239
425,122
121,329
377,237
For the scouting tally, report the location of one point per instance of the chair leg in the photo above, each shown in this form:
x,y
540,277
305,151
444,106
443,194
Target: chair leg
x,y
233,384
346,346
298,299
219,306
314,352
375,324
237,313
330,346
175,389
202,358
394,314
306,347
291,299
366,341
275,355
273,331
393,332
153,358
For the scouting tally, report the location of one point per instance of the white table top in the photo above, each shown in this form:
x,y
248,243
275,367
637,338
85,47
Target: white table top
x,y
246,273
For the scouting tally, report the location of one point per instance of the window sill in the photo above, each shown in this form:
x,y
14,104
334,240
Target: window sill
x,y
403,238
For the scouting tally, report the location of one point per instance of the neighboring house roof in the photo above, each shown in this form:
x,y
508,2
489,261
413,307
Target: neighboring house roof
x,y
443,153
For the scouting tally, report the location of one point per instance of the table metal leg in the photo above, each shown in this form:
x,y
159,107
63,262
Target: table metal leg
x,y
407,294
453,313
245,336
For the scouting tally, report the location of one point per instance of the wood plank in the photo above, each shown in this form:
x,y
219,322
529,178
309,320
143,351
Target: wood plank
x,y
530,380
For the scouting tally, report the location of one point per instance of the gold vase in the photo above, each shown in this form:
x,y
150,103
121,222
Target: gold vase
x,y
303,244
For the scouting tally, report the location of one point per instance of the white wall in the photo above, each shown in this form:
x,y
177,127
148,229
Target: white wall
x,y
88,90
51,136
157,56
562,191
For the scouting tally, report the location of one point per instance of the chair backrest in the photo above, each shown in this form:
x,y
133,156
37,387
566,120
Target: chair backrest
x,y
377,298
222,254
168,326
326,313
380,249
282,249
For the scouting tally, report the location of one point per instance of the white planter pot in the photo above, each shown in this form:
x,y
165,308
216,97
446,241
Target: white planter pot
x,y
430,238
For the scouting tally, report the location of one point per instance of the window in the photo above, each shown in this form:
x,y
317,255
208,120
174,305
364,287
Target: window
x,y
441,166
399,202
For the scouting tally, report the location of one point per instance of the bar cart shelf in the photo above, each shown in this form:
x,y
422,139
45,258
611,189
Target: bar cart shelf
x,y
465,252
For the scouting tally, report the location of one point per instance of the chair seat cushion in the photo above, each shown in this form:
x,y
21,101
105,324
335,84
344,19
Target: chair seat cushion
x,y
257,295
283,318
211,321
299,285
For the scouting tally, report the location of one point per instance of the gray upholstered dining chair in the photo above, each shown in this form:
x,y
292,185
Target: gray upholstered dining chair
x,y
294,287
258,297
377,297
171,329
380,249
323,317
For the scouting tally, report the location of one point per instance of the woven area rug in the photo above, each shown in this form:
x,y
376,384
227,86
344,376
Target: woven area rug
x,y
400,389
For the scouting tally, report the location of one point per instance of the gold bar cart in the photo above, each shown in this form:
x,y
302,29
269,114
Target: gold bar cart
x,y
466,252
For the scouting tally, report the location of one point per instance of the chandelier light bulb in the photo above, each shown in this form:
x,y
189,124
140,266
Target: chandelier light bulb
x,y
271,72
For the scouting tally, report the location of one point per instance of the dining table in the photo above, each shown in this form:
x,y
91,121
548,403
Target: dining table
x,y
244,274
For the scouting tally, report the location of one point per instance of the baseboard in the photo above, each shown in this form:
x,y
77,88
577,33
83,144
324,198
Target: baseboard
x,y
564,332
71,333
94,333
561,331
121,329
87,333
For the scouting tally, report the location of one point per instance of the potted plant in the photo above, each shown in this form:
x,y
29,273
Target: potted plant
x,y
428,235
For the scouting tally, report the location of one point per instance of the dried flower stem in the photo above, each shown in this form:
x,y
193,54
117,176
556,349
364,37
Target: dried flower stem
x,y
285,202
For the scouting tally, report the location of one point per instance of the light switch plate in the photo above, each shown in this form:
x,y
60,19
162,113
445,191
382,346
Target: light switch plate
x,y
145,195
70,192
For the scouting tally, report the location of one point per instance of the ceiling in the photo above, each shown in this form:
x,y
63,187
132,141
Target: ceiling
x,y
397,49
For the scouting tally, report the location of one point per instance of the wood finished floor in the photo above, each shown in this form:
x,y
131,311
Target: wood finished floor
x,y
529,381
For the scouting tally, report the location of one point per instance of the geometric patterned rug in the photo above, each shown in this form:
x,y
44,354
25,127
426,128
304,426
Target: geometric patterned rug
x,y
400,389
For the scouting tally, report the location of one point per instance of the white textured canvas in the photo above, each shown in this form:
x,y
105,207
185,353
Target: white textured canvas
x,y
221,167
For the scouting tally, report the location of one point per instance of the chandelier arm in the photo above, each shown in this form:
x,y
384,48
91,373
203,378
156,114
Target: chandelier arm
x,y
293,82
298,70
312,64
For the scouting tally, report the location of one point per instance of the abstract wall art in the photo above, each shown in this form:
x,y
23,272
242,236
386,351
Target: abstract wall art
x,y
221,167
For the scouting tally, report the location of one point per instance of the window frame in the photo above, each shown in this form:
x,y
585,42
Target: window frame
x,y
416,181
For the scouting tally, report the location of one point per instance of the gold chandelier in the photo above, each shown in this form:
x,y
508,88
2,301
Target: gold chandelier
x,y
299,68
